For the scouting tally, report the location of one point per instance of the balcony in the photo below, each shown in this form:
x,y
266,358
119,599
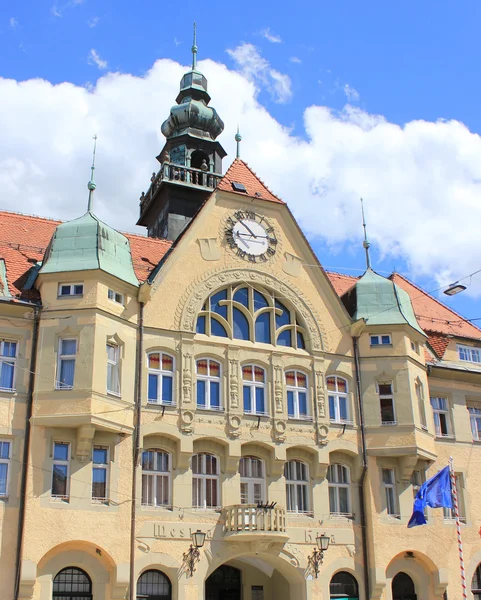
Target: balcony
x,y
248,522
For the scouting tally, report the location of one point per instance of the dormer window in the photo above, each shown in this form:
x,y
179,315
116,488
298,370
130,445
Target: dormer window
x,y
116,296
70,289
469,354
381,340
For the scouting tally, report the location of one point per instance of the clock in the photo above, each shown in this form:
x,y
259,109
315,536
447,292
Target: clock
x,y
251,236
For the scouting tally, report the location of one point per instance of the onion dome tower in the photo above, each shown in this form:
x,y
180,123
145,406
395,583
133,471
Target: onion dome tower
x,y
191,159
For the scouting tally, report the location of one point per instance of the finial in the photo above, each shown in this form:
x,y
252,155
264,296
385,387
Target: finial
x,y
238,139
91,184
194,49
366,242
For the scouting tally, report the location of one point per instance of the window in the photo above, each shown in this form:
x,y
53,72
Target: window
x,y
248,313
296,382
254,378
386,400
344,586
442,422
449,512
475,418
339,490
113,376
205,481
160,378
72,584
100,469
421,407
296,474
389,483
156,468
4,467
417,479
381,340
415,347
116,297
476,583
469,354
70,289
66,363
154,585
252,485
338,403
8,355
61,470
208,384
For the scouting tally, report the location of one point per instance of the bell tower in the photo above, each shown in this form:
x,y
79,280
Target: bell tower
x,y
190,161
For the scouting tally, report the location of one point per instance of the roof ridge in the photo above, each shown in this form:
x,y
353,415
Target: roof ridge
x,y
357,277
39,217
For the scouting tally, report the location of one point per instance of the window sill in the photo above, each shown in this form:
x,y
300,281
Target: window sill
x,y
115,394
448,436
396,517
64,388
101,501
256,414
342,423
452,520
294,513
211,409
306,418
161,404
152,507
64,499
380,345
342,516
67,296
207,509
7,390
388,423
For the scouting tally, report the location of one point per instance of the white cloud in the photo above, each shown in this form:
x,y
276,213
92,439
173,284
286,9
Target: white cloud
x,y
296,60
93,22
352,94
57,9
94,59
270,36
13,22
421,182
258,70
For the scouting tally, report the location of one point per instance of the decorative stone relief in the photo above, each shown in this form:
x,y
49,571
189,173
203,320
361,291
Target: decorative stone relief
x,y
234,424
322,432
187,379
280,430
320,394
233,383
292,264
278,388
209,248
187,421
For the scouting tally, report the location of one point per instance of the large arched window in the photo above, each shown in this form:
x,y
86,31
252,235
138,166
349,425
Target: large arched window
x,y
161,378
339,490
156,485
208,384
205,481
72,584
297,486
254,389
252,485
338,399
343,585
403,587
247,313
476,583
154,585
297,395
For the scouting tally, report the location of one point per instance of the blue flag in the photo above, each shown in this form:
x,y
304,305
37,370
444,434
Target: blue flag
x,y
436,493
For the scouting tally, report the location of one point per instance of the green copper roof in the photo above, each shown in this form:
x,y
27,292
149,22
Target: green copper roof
x,y
380,302
87,243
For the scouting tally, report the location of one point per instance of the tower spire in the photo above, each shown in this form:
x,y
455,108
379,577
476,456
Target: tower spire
x,y
238,139
366,244
194,49
91,184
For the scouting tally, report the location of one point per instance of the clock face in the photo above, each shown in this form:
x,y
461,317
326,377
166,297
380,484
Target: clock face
x,y
251,236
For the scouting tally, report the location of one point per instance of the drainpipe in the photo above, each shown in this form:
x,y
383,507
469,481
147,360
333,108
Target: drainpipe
x,y
26,451
364,468
136,447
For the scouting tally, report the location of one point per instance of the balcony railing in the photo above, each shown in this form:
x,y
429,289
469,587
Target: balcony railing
x,y
249,518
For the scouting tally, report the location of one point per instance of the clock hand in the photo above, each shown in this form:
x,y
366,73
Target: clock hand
x,y
248,229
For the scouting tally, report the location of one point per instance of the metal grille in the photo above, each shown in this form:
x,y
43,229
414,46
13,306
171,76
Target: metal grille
x,y
154,585
72,584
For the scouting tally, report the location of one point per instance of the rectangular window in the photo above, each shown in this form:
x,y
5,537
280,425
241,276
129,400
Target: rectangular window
x,y
469,354
61,470
417,479
70,289
386,401
449,512
5,457
100,469
381,340
415,347
422,409
115,296
66,363
113,376
475,418
389,483
442,422
8,355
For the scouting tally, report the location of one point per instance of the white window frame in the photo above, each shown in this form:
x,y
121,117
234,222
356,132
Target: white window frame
x,y
161,373
152,476
335,484
419,388
71,292
475,420
101,467
9,360
415,347
296,390
60,462
251,480
61,357
112,365
208,379
448,513
253,385
469,353
6,461
296,486
387,397
390,492
383,339
438,413
201,480
337,395
116,297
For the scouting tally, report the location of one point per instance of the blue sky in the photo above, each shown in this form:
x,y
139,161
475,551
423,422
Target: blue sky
x,y
407,62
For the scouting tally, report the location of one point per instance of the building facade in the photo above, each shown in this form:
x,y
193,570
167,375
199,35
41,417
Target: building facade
x,y
213,377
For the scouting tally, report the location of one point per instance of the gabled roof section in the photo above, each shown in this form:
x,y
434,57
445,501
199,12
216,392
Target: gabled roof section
x,y
240,172
341,283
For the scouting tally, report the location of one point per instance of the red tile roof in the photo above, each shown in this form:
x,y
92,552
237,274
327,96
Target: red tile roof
x,y
342,283
240,172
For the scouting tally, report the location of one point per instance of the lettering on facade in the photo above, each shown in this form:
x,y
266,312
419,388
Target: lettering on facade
x,y
173,532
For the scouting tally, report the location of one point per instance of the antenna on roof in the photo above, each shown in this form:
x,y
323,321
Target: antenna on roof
x,y
91,184
238,139
366,244
194,49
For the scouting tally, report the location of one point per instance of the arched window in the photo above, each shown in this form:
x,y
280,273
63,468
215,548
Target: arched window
x,y
247,313
208,384
205,481
339,490
252,485
72,584
156,485
254,389
476,583
154,585
297,490
297,395
403,587
343,585
161,378
338,402
198,158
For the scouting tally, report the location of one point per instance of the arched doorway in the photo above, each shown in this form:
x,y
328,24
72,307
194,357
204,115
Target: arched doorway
x,y
154,585
344,585
476,583
72,584
403,587
224,584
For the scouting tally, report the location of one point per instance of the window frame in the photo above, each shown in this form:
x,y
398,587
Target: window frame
x,y
101,467
475,422
476,591
61,462
390,486
295,486
208,380
60,358
336,486
72,292
419,390
387,397
468,351
253,385
111,366
202,479
437,418
381,339
6,461
8,360
336,396
296,390
448,513
154,475
253,479
112,295
161,374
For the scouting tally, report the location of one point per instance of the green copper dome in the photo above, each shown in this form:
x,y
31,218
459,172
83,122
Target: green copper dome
x,y
86,244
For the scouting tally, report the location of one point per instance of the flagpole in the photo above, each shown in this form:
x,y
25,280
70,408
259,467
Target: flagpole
x,y
454,492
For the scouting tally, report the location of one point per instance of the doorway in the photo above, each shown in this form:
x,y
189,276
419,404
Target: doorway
x,y
224,584
403,587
